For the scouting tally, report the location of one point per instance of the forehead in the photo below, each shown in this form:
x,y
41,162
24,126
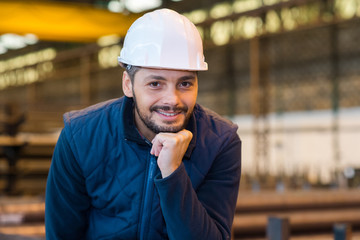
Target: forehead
x,y
164,74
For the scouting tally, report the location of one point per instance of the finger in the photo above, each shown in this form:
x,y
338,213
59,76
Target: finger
x,y
154,150
156,146
187,134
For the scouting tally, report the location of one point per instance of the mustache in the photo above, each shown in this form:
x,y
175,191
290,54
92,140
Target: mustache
x,y
169,108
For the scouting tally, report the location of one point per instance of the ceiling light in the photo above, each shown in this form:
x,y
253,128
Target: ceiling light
x,y
108,40
116,6
30,39
137,6
12,41
2,49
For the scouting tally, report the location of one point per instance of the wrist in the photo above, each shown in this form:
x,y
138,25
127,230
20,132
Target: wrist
x,y
168,171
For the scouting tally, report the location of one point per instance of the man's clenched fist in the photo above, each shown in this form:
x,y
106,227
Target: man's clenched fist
x,y
170,149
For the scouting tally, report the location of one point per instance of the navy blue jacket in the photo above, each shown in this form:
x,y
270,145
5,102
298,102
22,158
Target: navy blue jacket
x,y
103,182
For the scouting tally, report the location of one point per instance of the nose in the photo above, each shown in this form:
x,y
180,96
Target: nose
x,y
171,97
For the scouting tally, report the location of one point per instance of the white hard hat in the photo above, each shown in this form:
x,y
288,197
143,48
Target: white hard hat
x,y
163,39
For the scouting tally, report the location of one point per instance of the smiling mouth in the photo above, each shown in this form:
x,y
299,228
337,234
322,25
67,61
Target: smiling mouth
x,y
169,114
169,111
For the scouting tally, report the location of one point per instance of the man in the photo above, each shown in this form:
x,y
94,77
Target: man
x,y
152,164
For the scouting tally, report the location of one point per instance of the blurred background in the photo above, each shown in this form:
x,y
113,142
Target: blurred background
x,y
286,71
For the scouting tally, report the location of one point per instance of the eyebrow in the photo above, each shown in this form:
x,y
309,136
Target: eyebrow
x,y
155,77
183,78
187,77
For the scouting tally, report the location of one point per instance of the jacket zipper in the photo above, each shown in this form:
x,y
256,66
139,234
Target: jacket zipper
x,y
147,204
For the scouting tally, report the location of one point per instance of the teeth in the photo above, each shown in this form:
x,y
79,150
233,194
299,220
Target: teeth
x,y
168,114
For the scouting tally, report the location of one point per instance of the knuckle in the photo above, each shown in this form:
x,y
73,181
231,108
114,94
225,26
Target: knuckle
x,y
181,137
190,134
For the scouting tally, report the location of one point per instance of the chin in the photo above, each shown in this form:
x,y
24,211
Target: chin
x,y
166,128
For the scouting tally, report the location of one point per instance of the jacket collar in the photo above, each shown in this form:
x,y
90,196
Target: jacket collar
x,y
191,126
128,124
131,133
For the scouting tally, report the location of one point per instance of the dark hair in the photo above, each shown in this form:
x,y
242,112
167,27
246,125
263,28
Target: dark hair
x,y
131,71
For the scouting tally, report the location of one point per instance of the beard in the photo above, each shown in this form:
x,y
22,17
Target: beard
x,y
167,127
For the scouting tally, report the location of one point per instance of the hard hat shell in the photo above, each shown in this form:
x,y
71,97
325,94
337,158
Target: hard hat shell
x,y
163,39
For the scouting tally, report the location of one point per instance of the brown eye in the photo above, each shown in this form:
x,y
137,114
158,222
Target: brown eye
x,y
154,84
185,84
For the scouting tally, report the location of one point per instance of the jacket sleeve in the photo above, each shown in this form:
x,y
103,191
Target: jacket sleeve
x,y
66,203
208,212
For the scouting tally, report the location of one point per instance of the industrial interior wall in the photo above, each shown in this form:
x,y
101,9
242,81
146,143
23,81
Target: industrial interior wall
x,y
303,69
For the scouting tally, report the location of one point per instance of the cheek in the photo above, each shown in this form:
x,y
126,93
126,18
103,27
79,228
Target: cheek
x,y
145,101
190,99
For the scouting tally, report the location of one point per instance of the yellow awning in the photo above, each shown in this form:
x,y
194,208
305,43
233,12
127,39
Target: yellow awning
x,y
58,21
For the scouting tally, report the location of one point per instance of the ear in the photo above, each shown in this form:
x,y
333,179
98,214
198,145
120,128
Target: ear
x,y
127,85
